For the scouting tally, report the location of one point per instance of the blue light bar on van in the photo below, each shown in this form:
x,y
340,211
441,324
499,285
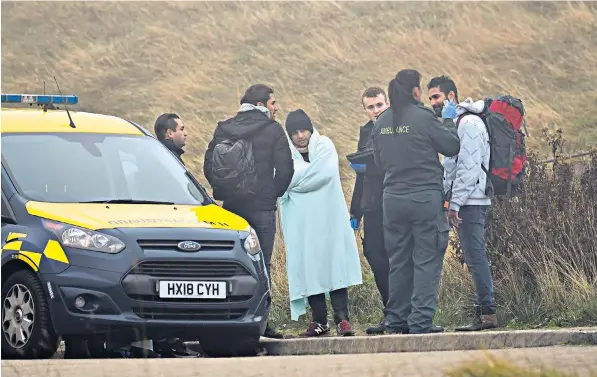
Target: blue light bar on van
x,y
40,99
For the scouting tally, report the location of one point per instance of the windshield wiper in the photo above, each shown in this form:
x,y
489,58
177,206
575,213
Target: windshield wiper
x,y
127,201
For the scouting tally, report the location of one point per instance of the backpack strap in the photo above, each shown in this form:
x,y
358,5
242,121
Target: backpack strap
x,y
460,118
465,114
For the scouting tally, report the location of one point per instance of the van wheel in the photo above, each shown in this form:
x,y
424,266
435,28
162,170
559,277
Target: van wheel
x,y
230,346
27,330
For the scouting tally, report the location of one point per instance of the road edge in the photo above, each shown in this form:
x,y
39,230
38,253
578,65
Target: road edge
x,y
451,341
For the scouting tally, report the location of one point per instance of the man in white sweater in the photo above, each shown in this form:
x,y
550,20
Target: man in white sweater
x,y
466,180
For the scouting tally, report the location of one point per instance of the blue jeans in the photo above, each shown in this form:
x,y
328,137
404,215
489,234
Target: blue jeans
x,y
471,233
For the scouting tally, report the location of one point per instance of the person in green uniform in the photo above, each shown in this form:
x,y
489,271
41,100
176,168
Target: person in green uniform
x,y
407,141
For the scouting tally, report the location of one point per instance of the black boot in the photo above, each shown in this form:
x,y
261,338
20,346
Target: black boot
x,y
432,330
174,347
271,333
379,329
401,330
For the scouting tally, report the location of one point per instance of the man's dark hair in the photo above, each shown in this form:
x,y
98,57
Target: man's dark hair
x,y
445,84
164,123
373,92
257,93
401,91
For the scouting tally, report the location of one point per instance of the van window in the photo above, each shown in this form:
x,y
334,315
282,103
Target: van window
x,y
74,168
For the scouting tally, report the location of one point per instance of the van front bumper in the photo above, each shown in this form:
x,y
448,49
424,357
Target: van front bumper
x,y
128,307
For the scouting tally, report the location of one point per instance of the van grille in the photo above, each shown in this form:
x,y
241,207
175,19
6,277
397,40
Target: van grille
x,y
189,314
156,298
206,245
203,269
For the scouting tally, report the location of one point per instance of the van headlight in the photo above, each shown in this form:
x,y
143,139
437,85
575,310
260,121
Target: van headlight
x,y
251,243
85,239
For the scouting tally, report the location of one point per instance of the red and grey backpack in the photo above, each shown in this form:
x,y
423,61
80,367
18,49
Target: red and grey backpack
x,y
503,118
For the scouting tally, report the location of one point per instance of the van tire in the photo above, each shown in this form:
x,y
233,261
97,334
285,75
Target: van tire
x,y
43,341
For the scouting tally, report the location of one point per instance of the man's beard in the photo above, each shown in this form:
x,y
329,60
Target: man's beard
x,y
437,109
301,148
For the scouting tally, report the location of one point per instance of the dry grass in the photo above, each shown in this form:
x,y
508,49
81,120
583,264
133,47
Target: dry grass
x,y
137,60
542,248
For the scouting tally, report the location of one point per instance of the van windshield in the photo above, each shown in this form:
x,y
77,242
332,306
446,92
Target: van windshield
x,y
77,168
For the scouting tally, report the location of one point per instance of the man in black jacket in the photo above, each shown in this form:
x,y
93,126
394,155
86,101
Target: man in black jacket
x,y
407,139
366,201
273,162
170,130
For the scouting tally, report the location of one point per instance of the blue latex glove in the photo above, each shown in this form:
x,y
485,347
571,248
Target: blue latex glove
x,y
354,223
449,110
359,168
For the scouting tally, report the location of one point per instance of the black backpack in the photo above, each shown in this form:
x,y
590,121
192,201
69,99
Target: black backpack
x,y
233,169
503,118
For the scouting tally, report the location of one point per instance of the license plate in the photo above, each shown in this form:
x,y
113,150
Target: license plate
x,y
192,289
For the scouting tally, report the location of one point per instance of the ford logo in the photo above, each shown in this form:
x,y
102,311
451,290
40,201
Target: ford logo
x,y
189,246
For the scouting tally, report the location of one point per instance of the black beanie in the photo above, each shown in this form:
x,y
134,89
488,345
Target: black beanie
x,y
298,120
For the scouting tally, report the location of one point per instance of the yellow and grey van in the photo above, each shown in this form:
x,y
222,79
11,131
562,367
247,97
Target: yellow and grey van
x,y
106,236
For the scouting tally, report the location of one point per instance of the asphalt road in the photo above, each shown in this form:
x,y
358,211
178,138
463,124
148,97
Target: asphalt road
x,y
580,360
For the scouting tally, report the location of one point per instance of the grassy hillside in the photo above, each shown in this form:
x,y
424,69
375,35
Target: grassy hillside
x,y
137,60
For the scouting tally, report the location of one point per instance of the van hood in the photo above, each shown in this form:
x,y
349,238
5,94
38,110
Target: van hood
x,y
97,216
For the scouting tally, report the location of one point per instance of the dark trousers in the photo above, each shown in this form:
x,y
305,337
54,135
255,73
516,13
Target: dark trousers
x,y
375,252
471,233
416,236
339,299
264,223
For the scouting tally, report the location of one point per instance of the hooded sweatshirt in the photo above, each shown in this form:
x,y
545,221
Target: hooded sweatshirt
x,y
463,172
273,160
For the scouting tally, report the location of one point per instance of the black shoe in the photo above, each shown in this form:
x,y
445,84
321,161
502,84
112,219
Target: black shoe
x,y
316,329
140,353
434,329
379,329
400,330
271,333
169,348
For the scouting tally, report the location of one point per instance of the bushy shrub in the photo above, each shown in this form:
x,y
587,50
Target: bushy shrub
x,y
542,243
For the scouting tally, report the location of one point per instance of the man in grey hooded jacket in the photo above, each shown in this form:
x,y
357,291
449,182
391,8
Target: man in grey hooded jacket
x,y
466,180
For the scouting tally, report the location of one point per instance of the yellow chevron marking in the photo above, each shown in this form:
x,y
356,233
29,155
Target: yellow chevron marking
x,y
35,257
13,236
13,245
28,261
31,258
54,251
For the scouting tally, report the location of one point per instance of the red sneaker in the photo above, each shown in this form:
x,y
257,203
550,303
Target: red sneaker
x,y
344,329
